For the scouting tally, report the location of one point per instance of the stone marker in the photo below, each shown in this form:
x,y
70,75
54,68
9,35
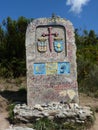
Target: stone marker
x,y
51,61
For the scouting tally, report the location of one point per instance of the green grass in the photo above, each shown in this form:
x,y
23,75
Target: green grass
x,y
46,124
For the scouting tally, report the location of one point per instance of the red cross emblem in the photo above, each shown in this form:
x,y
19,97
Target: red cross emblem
x,y
50,37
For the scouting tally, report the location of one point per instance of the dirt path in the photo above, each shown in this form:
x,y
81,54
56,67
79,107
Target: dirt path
x,y
3,114
93,102
95,127
4,124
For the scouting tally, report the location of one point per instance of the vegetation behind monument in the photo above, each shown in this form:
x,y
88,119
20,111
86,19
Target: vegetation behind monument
x,y
13,61
12,47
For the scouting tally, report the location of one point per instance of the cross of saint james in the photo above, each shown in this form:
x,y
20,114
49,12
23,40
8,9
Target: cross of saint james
x,y
50,37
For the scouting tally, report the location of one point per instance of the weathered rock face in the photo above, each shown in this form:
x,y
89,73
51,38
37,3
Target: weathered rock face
x,y
54,111
19,128
51,61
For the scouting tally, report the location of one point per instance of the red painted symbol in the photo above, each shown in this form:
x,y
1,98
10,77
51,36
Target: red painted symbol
x,y
50,37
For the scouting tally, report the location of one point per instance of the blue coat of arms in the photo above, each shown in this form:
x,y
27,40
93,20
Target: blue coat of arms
x,y
58,45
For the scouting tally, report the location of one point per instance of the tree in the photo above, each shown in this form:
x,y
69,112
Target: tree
x,y
87,60
13,59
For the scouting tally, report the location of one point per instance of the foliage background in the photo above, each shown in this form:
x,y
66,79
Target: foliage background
x,y
13,58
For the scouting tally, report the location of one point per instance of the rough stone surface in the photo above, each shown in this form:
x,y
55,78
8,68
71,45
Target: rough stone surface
x,y
51,61
19,128
56,111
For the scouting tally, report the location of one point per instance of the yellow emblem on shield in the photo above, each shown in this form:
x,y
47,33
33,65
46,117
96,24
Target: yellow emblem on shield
x,y
42,45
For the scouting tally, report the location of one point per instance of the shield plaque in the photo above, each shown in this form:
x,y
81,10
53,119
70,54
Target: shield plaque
x,y
58,45
42,45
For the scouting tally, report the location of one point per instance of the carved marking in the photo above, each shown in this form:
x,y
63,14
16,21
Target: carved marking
x,y
50,37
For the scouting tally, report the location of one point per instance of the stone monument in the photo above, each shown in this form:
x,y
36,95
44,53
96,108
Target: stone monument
x,y
51,61
52,88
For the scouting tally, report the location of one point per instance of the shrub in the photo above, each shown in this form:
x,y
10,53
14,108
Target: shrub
x,y
11,112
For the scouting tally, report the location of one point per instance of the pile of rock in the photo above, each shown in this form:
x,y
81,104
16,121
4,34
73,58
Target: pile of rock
x,y
67,112
19,128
